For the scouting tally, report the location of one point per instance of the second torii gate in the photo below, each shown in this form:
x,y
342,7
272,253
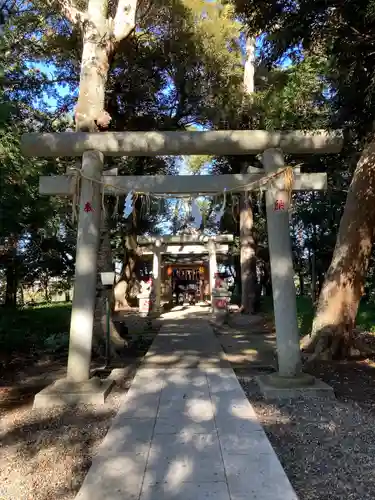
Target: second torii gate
x,y
94,146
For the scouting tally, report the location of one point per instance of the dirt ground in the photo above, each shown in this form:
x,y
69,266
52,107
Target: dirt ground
x,y
326,446
45,454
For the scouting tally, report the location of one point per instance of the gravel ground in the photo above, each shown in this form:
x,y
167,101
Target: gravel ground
x,y
45,454
327,447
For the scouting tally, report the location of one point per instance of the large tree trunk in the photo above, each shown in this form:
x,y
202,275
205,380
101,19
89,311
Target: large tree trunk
x,y
248,251
127,288
89,112
332,330
247,257
100,319
101,36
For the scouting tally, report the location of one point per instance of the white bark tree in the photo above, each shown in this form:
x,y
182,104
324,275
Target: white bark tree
x,y
247,242
101,36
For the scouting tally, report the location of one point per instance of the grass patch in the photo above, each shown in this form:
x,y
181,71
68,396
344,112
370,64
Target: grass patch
x,y
31,328
305,314
366,317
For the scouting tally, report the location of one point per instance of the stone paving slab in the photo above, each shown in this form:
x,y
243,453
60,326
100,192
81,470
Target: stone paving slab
x,y
184,426
185,458
186,433
186,491
257,477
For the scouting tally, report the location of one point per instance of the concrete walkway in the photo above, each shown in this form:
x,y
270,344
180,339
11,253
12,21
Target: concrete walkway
x,y
185,429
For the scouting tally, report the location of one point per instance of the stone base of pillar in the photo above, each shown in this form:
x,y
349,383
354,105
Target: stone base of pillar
x,y
219,304
275,386
64,392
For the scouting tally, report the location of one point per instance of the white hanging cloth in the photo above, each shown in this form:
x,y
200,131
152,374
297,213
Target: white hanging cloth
x,y
196,214
128,204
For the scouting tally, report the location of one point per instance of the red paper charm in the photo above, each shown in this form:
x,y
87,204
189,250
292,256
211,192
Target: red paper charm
x,y
88,207
279,205
221,303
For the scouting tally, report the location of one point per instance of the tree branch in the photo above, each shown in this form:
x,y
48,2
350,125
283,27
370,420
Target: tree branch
x,y
124,21
74,15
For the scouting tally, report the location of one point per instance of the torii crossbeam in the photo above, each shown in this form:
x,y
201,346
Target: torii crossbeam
x,y
180,185
93,148
175,143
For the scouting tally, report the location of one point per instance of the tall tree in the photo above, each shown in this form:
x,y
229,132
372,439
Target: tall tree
x,y
339,32
102,28
151,89
247,241
21,209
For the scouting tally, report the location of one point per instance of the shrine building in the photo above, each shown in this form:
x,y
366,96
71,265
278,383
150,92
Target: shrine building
x,y
191,259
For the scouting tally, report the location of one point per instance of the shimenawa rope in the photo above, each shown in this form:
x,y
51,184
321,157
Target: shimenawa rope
x,y
78,175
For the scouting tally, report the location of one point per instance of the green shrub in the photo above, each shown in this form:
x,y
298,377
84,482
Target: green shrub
x,y
56,342
305,314
27,329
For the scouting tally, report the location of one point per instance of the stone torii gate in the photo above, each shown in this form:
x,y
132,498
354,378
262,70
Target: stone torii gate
x,y
93,147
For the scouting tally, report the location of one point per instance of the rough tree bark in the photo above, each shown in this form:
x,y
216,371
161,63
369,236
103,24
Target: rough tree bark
x,y
101,36
126,289
247,257
334,322
100,318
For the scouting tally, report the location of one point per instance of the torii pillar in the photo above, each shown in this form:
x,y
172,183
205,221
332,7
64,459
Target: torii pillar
x,y
78,387
282,272
290,381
